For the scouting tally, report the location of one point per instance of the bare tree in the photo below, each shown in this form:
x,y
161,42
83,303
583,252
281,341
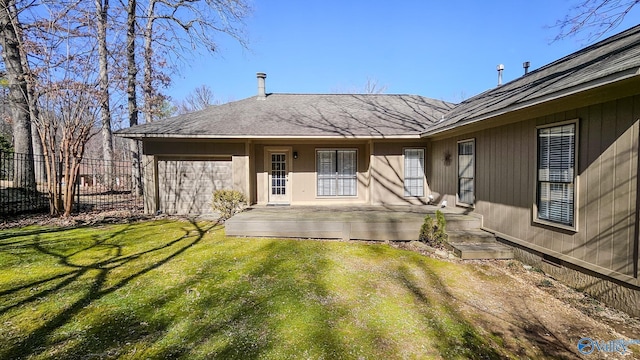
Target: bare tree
x,y
50,58
132,99
12,55
198,99
594,18
102,8
371,86
66,92
69,112
180,27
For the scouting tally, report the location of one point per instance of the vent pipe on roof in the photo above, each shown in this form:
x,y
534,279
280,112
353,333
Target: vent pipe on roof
x,y
262,94
526,65
500,68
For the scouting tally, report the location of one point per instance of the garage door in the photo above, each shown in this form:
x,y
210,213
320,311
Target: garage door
x,y
187,186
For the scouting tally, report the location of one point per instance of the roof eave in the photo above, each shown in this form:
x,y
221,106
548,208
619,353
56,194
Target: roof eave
x,y
143,136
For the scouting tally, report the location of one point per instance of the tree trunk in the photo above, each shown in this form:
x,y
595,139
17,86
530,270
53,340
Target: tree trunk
x,y
39,167
132,72
40,172
102,6
34,113
24,174
147,82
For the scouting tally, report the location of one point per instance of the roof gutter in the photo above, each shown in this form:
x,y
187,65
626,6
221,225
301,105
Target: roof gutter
x,y
141,136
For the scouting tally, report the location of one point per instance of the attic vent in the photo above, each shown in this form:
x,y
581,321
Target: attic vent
x,y
526,65
262,94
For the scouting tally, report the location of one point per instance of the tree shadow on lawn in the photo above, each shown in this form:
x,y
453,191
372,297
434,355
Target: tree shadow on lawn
x,y
266,311
260,298
454,336
302,316
38,340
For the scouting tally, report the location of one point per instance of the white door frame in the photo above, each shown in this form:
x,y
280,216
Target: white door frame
x,y
269,152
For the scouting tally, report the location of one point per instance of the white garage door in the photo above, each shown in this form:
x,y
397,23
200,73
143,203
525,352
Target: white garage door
x,y
187,186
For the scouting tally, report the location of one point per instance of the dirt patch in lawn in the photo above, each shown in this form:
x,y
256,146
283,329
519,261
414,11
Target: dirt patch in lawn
x,y
533,314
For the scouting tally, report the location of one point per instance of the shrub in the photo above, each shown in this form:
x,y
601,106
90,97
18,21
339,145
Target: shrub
x,y
228,202
433,231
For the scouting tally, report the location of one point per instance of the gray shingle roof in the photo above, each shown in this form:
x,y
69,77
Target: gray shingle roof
x,y
345,115
612,59
299,115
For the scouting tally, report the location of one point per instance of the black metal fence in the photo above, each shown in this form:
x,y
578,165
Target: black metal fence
x,y
92,190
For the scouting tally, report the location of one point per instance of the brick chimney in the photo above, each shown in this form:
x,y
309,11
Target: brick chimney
x,y
262,94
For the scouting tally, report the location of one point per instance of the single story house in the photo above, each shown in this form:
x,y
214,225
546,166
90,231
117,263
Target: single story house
x,y
296,149
549,160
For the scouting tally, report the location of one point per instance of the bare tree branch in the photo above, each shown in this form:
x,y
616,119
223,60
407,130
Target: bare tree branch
x,y
594,18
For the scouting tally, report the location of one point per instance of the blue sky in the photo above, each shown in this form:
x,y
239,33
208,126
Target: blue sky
x,y
440,49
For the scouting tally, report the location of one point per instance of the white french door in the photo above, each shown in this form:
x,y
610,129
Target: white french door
x,y
279,190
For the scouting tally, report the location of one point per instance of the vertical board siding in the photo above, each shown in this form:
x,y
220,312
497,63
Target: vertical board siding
x,y
578,249
591,172
607,166
624,177
517,161
635,241
493,178
606,183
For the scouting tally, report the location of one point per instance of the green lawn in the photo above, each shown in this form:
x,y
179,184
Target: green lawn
x,y
169,289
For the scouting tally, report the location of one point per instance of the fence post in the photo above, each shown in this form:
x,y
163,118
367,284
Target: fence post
x,y
77,188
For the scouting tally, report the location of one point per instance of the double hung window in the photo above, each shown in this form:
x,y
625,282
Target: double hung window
x,y
414,172
336,172
555,197
466,172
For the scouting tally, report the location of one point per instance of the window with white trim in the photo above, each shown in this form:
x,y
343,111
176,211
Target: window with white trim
x,y
466,172
555,198
414,172
336,172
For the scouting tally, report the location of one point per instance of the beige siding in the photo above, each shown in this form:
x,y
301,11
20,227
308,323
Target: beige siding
x,y
380,174
387,173
186,186
303,173
150,179
442,170
193,147
240,173
606,236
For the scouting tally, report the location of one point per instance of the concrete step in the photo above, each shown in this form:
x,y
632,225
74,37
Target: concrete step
x,y
494,250
470,236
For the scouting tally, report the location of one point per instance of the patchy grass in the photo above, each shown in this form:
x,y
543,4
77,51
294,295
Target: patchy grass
x,y
168,289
